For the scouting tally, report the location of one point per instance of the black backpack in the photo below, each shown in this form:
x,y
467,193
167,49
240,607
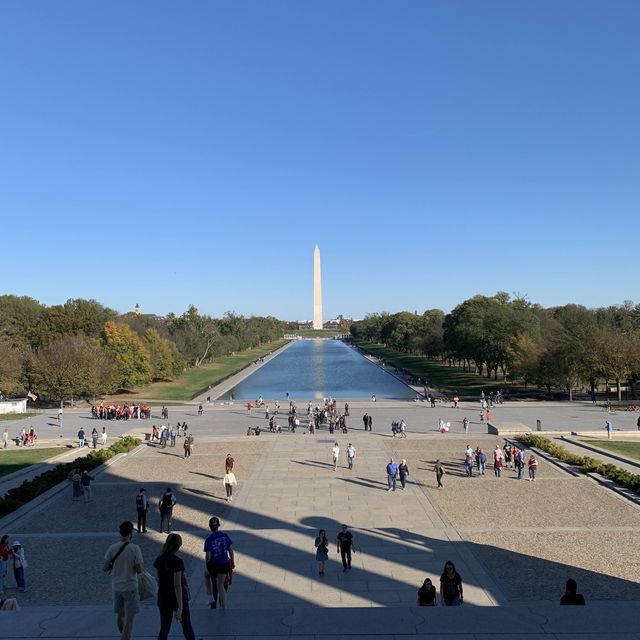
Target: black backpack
x,y
167,502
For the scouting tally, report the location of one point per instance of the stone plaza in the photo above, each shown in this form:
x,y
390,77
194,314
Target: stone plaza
x,y
514,542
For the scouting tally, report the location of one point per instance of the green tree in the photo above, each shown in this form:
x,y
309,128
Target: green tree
x,y
72,366
130,354
166,361
11,369
21,321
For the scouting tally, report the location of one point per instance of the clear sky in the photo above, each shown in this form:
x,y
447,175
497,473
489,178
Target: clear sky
x,y
170,153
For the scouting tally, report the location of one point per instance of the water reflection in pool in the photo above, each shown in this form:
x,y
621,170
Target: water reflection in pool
x,y
314,369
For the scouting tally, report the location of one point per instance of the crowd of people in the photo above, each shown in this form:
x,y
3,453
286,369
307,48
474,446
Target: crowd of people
x,y
121,412
23,439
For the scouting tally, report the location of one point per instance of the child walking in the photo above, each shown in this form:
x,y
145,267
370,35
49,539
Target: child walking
x,y
19,565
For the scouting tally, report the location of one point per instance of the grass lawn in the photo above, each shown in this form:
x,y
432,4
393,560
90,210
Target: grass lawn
x,y
195,381
630,449
449,380
16,416
15,459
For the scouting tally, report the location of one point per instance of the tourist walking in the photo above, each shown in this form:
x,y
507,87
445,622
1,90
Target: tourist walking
x,y
392,473
219,557
81,437
403,428
19,565
75,478
451,593
104,435
321,545
439,471
188,446
173,590
346,545
229,483
5,438
85,482
335,455
508,453
166,504
498,461
468,461
609,428
403,472
142,506
427,594
533,467
228,463
370,422
123,560
94,437
465,424
520,464
481,460
365,421
351,454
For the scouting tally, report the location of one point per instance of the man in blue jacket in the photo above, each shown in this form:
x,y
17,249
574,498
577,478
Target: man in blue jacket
x,y
392,472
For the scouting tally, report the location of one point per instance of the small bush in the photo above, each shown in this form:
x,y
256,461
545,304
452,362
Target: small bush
x,y
35,487
587,463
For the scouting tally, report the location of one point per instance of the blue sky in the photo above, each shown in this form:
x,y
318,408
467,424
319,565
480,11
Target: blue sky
x,y
172,153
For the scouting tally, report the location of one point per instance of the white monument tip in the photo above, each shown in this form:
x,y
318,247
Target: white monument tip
x,y
317,290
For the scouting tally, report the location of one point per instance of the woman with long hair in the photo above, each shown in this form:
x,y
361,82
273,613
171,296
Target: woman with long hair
x,y
450,585
173,590
322,550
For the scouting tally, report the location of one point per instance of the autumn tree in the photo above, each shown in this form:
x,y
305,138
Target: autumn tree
x,y
129,353
72,366
166,361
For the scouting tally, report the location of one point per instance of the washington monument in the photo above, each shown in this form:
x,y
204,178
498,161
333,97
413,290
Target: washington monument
x,y
317,290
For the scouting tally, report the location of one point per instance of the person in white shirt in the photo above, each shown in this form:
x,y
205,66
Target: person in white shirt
x,y
335,453
123,560
351,454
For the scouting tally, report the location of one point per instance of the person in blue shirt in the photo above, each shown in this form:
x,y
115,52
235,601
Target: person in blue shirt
x,y
392,472
219,557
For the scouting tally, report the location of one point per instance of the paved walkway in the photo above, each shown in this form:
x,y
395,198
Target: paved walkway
x,y
514,543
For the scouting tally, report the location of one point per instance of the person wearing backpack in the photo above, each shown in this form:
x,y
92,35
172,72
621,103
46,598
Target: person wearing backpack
x,y
167,502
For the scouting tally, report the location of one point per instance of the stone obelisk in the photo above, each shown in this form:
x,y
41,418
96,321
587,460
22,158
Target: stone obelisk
x,y
317,290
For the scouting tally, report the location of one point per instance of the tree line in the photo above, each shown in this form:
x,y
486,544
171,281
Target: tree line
x,y
565,347
82,348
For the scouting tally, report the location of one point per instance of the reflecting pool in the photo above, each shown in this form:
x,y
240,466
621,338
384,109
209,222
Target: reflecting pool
x,y
314,369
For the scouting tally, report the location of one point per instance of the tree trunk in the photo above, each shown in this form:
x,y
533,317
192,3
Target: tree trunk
x,y
570,393
619,388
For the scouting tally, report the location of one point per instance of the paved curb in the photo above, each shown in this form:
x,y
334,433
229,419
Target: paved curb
x,y
627,494
33,506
